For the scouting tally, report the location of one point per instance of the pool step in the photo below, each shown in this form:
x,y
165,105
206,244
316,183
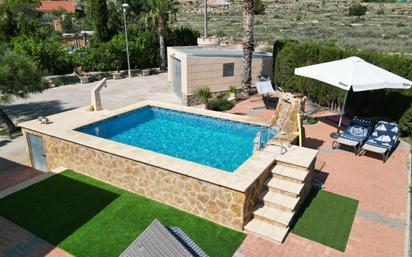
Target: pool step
x,y
266,230
298,157
278,200
289,173
284,190
286,187
273,216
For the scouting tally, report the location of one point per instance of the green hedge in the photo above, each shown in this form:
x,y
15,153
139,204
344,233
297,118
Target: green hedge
x,y
47,52
143,49
393,105
53,57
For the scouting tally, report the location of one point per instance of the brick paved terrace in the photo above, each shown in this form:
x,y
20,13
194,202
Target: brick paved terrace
x,y
18,242
14,176
379,227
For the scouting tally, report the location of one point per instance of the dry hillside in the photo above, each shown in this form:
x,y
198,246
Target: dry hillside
x,y
385,27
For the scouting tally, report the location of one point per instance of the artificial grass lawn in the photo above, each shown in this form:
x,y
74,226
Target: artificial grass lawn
x,y
87,217
326,218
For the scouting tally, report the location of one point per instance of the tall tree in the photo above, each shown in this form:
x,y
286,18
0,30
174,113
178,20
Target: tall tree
x,y
19,77
115,18
100,17
134,11
159,13
18,17
248,13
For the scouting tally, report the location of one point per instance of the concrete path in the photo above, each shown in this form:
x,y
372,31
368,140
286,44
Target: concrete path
x,y
118,93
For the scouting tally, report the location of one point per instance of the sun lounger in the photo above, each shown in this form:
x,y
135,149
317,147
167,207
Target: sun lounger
x,y
383,139
355,134
265,89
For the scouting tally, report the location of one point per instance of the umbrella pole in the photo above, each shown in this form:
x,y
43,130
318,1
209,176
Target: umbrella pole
x,y
342,111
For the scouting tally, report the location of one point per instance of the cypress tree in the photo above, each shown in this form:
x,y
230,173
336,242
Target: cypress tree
x,y
100,16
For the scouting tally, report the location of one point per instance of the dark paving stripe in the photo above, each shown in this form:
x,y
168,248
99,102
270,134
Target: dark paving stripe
x,y
374,216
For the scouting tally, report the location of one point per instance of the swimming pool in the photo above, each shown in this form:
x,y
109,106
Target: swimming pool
x,y
218,143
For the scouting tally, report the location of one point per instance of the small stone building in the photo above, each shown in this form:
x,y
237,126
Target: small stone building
x,y
218,68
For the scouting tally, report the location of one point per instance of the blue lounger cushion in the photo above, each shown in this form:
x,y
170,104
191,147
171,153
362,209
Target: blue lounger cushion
x,y
385,135
358,130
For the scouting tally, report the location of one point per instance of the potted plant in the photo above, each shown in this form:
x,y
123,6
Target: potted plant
x,y
204,95
117,74
84,78
146,72
310,120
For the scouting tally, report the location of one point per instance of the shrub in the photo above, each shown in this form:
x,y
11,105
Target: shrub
x,y
379,1
380,11
259,7
48,52
405,122
203,94
65,80
221,33
220,104
234,90
393,104
309,120
143,49
182,36
357,10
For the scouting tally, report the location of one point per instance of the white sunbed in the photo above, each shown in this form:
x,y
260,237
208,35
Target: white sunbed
x,y
264,88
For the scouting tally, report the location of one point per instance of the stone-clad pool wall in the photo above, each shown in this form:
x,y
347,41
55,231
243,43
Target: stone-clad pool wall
x,y
220,204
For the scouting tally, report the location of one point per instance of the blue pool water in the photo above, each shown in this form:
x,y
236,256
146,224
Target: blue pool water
x,y
218,143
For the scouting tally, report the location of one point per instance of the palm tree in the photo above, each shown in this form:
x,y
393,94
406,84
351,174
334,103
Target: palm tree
x,y
248,42
203,94
159,13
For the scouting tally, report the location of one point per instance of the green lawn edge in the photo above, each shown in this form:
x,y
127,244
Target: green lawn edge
x,y
326,218
63,210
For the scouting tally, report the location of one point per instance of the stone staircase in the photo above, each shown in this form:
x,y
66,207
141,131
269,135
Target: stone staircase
x,y
283,192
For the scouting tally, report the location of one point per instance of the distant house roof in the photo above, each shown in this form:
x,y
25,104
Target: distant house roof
x,y
157,240
48,6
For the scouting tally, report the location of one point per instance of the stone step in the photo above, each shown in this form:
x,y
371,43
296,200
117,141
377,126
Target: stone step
x,y
273,215
298,156
291,165
266,230
284,186
290,173
278,200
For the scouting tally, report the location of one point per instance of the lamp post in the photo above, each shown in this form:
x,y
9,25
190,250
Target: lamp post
x,y
205,20
124,7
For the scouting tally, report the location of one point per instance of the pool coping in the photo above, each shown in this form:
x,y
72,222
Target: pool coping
x,y
63,126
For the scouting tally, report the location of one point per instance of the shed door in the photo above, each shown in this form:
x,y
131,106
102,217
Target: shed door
x,y
38,157
177,77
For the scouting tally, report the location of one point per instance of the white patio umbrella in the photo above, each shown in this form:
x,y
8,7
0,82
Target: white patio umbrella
x,y
355,73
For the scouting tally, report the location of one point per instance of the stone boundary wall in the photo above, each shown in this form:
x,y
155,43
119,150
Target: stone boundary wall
x,y
219,204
